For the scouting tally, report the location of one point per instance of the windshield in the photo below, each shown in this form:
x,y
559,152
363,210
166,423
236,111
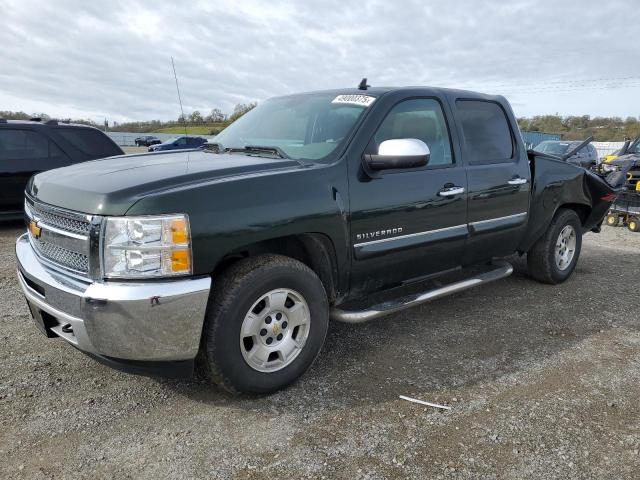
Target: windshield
x,y
554,148
309,126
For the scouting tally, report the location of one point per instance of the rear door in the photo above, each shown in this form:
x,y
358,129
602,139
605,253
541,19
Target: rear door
x,y
498,177
402,226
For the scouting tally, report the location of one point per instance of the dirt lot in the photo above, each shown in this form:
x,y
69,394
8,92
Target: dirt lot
x,y
544,383
129,150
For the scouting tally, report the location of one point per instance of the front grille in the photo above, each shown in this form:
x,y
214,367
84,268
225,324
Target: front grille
x,y
62,219
61,256
63,240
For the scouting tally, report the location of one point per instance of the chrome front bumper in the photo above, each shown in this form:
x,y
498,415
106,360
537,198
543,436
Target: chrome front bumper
x,y
137,321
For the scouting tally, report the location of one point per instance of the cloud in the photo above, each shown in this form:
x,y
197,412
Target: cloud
x,y
112,59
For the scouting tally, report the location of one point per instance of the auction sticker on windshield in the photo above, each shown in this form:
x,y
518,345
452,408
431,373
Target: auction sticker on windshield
x,y
364,100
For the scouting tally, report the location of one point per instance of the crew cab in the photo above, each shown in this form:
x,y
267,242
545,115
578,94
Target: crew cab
x,y
309,207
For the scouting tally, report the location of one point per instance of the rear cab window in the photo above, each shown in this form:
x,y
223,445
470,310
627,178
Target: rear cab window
x,y
487,134
92,142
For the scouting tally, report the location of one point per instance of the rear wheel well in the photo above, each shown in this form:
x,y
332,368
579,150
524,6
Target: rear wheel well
x,y
315,250
583,211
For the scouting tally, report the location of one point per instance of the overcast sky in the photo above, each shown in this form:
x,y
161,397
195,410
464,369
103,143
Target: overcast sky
x,y
97,59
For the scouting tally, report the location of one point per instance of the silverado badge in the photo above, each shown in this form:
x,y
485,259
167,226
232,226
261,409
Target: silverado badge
x,y
379,233
35,230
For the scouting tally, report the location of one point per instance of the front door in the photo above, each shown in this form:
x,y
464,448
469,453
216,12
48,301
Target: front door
x,y
406,224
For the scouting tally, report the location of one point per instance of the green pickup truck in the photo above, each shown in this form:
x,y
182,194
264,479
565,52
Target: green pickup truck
x,y
348,204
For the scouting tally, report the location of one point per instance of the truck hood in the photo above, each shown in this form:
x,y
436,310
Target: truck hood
x,y
110,186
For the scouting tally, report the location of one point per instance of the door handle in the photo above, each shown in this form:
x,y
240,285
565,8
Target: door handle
x,y
451,191
517,181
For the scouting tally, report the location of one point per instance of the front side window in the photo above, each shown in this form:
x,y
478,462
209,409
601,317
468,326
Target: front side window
x,y
308,126
420,118
22,144
487,135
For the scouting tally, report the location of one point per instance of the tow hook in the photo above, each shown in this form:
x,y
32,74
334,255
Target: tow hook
x,y
67,328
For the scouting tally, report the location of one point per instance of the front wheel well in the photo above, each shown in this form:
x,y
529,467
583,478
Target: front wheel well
x,y
315,250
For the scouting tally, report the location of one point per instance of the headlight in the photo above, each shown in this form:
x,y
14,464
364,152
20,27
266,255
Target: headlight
x,y
135,247
606,167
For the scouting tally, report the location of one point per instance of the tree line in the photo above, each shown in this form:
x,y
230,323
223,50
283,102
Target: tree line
x,y
573,127
603,129
216,120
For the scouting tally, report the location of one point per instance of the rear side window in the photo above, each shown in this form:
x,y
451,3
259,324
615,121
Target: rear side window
x,y
91,142
22,144
486,132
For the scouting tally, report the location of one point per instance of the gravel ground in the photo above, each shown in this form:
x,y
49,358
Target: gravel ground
x,y
129,150
543,382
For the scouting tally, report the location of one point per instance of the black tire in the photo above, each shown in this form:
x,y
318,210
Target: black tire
x,y
613,220
634,224
233,295
541,258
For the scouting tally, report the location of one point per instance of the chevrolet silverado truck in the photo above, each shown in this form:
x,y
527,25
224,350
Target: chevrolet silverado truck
x,y
347,204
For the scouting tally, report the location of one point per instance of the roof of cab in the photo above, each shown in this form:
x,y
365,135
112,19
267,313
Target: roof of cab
x,y
379,91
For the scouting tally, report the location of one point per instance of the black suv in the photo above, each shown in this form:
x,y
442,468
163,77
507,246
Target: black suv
x,y
29,147
147,141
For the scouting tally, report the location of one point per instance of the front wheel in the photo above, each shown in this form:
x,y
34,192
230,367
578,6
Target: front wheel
x,y
266,322
554,256
634,224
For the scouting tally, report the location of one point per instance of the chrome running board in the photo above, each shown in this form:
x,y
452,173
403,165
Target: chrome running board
x,y
503,269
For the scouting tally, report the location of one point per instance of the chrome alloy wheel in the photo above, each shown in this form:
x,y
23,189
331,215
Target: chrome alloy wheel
x,y
565,247
274,330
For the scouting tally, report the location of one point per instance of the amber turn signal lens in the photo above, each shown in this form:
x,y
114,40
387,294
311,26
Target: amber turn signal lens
x,y
179,231
180,261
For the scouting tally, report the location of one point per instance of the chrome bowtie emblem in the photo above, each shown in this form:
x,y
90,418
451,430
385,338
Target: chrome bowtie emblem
x,y
35,230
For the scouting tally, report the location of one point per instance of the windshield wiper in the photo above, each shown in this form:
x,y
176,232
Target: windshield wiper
x,y
213,147
257,149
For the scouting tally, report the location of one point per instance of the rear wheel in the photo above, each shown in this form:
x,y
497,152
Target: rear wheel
x,y
266,322
613,220
634,224
554,256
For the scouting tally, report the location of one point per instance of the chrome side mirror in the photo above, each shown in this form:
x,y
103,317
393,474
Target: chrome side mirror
x,y
399,153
